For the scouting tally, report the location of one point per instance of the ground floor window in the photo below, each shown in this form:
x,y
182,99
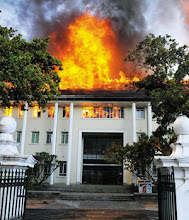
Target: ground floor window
x,y
47,168
18,136
64,137
62,168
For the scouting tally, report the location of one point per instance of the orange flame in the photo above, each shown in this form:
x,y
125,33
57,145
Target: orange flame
x,y
91,58
185,5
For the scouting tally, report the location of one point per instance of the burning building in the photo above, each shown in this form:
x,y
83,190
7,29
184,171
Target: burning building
x,y
79,127
94,108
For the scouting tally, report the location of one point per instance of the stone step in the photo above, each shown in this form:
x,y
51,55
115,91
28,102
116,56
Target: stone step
x,y
96,196
91,188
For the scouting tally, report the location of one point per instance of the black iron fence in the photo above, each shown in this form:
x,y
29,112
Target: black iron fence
x,y
166,195
13,189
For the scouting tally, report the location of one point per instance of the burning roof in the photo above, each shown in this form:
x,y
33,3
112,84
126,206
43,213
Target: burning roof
x,y
103,95
91,56
92,37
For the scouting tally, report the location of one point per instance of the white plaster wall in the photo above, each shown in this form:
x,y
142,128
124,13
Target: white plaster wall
x,y
45,124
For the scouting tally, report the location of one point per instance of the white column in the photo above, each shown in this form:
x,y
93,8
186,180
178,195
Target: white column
x,y
79,159
125,171
134,133
24,124
149,119
68,172
134,121
53,150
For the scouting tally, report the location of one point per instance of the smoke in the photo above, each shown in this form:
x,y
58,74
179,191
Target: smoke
x,y
167,17
131,19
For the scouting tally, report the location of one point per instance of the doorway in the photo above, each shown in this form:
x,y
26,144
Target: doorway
x,y
96,170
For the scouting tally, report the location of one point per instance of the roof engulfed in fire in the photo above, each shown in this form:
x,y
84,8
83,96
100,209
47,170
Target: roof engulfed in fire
x,y
92,37
103,95
91,56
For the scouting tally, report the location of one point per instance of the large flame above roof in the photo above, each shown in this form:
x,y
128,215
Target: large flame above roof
x,y
91,58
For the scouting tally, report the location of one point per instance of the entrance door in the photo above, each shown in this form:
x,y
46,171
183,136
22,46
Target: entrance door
x,y
95,169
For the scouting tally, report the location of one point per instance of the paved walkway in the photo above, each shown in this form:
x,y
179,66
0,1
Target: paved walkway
x,y
90,210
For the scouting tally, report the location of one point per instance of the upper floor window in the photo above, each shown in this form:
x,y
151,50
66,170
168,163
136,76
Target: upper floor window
x,y
8,111
36,112
140,113
64,137
20,113
35,137
51,112
66,112
49,137
102,112
62,168
18,136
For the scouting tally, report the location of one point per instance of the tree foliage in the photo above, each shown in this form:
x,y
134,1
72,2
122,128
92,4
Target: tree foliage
x,y
167,65
45,166
27,70
137,158
166,83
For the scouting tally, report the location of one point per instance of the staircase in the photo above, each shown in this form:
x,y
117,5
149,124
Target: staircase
x,y
94,192
75,196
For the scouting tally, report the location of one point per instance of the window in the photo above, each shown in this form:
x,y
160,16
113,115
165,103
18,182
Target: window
x,y
47,168
62,168
35,137
102,112
20,113
8,111
66,112
51,112
140,113
49,137
36,112
138,134
64,137
18,136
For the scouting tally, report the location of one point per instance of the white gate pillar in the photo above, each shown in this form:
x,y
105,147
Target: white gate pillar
x,y
179,159
12,164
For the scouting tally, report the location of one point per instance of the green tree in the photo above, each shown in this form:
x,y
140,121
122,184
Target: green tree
x,y
137,158
45,166
27,70
167,66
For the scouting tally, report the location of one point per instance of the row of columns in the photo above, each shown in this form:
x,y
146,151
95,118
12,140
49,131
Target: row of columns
x,y
70,133
53,150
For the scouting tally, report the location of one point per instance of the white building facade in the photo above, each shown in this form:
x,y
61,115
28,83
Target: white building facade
x,y
79,127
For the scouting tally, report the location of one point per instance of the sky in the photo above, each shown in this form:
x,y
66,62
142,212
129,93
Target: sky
x,y
131,19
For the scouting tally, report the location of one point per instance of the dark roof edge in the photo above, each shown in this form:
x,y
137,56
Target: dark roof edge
x,y
103,95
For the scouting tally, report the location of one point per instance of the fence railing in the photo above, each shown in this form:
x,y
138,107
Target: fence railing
x,y
166,195
13,189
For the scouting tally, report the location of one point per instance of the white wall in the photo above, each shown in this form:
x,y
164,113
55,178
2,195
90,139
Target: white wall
x,y
45,124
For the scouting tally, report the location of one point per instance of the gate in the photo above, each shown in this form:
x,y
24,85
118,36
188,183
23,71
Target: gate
x,y
13,189
166,195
